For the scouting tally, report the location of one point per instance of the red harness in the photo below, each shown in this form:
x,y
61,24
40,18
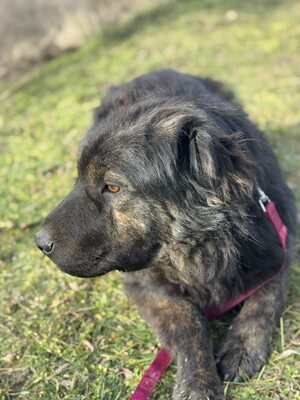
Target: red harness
x,y
164,357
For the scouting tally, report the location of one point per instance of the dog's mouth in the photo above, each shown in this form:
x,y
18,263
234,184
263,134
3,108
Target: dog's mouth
x,y
83,270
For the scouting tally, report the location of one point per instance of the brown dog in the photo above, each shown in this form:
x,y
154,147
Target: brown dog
x,y
167,191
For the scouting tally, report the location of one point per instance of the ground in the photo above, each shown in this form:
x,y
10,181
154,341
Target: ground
x,y
63,337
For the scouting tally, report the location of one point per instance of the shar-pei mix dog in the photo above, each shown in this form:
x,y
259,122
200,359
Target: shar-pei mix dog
x,y
169,180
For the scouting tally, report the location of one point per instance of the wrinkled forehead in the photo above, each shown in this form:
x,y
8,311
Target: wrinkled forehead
x,y
96,172
126,160
134,144
112,157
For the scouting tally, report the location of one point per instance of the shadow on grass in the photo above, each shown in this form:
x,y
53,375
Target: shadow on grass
x,y
285,142
155,17
176,8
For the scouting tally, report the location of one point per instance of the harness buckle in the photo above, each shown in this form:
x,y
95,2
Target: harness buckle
x,y
263,199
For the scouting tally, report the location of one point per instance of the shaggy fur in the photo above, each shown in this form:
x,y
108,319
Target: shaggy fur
x,y
185,226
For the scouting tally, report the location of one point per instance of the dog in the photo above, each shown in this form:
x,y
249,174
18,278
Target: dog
x,y
168,192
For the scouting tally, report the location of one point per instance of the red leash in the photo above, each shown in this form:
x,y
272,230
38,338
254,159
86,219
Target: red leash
x,y
164,357
152,375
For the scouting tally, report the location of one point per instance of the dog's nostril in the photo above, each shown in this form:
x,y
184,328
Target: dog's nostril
x,y
47,248
44,242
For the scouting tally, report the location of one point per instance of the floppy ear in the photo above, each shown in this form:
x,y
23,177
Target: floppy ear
x,y
217,164
195,153
237,172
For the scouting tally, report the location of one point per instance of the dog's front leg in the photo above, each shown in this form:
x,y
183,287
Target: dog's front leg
x,y
183,330
244,348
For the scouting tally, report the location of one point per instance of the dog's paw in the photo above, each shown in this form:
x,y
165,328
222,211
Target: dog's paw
x,y
184,391
239,358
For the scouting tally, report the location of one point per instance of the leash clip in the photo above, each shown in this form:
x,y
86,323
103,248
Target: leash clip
x,y
263,199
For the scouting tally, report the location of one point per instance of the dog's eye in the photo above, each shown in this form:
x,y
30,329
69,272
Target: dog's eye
x,y
111,188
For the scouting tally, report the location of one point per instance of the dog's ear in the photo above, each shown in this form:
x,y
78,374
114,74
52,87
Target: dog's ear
x,y
216,162
237,171
195,154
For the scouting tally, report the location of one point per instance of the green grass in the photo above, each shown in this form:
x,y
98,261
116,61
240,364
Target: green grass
x,y
62,337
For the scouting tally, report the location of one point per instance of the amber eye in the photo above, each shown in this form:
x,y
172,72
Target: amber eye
x,y
112,188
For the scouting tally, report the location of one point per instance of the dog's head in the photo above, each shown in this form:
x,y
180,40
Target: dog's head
x,y
149,173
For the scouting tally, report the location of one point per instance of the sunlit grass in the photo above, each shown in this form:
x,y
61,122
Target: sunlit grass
x,y
62,337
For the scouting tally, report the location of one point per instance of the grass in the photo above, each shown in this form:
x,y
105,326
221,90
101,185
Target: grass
x,y
62,337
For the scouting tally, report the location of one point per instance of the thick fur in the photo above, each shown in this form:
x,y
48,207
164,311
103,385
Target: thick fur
x,y
186,226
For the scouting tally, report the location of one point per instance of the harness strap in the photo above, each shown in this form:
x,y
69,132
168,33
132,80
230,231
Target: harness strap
x,y
164,357
272,215
152,375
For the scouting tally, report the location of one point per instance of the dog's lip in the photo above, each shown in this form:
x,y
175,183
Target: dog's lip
x,y
81,271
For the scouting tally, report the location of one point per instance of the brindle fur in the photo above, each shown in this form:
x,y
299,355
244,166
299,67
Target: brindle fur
x,y
186,226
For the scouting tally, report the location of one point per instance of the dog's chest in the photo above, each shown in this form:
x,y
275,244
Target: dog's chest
x,y
201,273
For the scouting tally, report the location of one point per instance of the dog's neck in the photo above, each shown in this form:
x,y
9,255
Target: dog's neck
x,y
197,269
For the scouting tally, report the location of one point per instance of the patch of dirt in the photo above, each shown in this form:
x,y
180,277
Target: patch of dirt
x,y
38,30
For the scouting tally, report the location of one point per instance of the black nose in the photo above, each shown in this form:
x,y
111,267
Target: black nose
x,y
44,242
